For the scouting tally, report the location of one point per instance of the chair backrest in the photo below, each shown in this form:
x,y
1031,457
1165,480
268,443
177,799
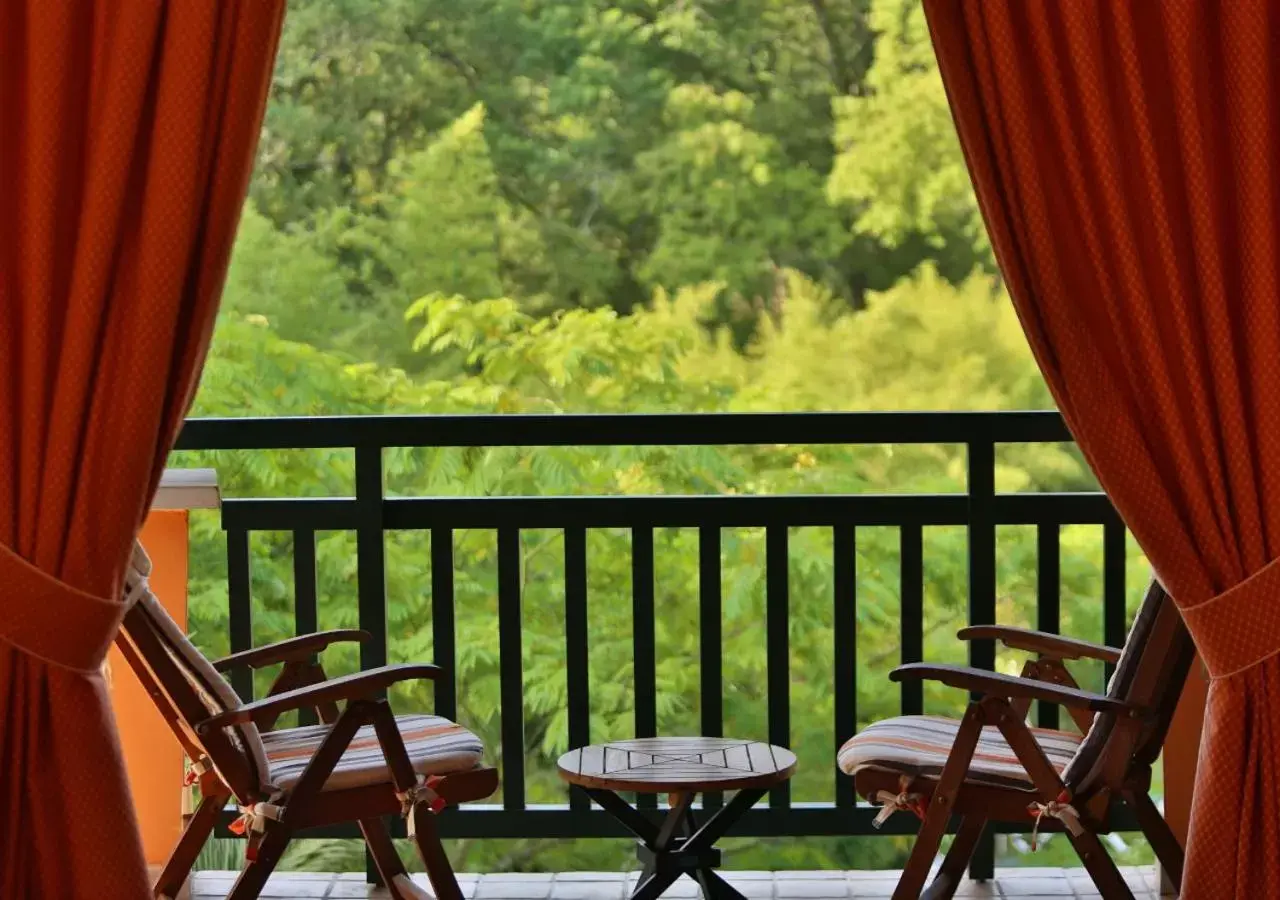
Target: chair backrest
x,y
1150,674
187,688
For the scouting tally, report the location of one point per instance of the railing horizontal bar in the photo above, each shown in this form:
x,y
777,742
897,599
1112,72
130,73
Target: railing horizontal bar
x,y
1051,508
290,513
559,822
671,429
674,511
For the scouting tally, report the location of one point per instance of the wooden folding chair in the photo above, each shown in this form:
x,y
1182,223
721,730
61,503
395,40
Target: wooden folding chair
x,y
361,764
990,766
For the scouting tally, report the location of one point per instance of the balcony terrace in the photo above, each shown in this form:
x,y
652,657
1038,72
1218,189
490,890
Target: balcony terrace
x,y
522,810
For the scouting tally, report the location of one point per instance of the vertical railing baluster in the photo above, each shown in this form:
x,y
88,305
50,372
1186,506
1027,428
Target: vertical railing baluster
x,y
577,657
371,574
711,642
982,593
644,641
1048,600
305,613
845,629
911,621
240,613
443,627
511,668
1114,615
778,647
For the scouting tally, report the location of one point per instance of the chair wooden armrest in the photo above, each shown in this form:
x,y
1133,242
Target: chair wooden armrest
x,y
347,687
1008,686
302,647
1050,646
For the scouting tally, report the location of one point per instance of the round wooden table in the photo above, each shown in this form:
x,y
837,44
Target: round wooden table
x,y
682,767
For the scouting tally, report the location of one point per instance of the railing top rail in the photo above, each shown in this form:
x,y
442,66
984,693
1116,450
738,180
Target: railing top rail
x,y
624,429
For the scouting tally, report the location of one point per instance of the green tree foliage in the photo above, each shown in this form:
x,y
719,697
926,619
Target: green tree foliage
x,y
624,146
443,229
899,167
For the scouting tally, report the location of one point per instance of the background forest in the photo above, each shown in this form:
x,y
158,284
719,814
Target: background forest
x,y
639,205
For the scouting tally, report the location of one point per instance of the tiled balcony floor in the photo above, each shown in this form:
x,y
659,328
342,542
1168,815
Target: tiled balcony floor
x,y
1026,884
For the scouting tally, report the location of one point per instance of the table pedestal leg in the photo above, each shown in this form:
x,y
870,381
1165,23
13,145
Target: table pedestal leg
x,y
679,846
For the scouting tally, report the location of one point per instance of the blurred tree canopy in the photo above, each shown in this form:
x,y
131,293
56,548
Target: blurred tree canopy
x,y
582,153
637,205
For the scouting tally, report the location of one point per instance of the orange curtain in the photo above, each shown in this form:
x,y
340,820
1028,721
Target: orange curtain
x,y
127,131
1126,157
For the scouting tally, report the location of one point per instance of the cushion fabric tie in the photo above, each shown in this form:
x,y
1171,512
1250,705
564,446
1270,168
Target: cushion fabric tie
x,y
253,823
195,771
1060,809
422,792
901,801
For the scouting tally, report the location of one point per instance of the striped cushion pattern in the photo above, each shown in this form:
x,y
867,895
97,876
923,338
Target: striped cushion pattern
x,y
436,746
920,745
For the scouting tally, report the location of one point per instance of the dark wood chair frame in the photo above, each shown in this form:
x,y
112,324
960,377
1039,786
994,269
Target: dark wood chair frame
x,y
301,684
1002,701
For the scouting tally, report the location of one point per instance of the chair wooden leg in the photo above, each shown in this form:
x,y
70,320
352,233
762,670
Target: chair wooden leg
x,y
1101,868
253,877
388,861
427,836
1158,834
308,786
956,861
940,806
178,867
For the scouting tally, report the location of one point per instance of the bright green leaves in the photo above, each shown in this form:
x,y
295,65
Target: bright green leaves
x,y
899,167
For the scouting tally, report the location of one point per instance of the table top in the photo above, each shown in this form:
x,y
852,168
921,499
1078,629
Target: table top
x,y
678,764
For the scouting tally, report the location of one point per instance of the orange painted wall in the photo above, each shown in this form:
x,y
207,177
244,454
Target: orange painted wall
x,y
152,756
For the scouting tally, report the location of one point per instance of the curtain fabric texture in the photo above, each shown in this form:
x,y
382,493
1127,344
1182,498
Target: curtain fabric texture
x,y
127,131
1126,158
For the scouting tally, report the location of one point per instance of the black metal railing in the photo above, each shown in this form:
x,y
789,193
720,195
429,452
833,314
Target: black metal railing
x,y
370,512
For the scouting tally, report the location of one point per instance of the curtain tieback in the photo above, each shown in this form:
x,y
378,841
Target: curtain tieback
x,y
902,801
54,622
1240,627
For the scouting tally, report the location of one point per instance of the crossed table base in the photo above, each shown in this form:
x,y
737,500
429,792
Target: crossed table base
x,y
683,768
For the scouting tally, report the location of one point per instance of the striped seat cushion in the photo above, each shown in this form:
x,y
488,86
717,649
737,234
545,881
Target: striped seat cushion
x,y
920,745
436,746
